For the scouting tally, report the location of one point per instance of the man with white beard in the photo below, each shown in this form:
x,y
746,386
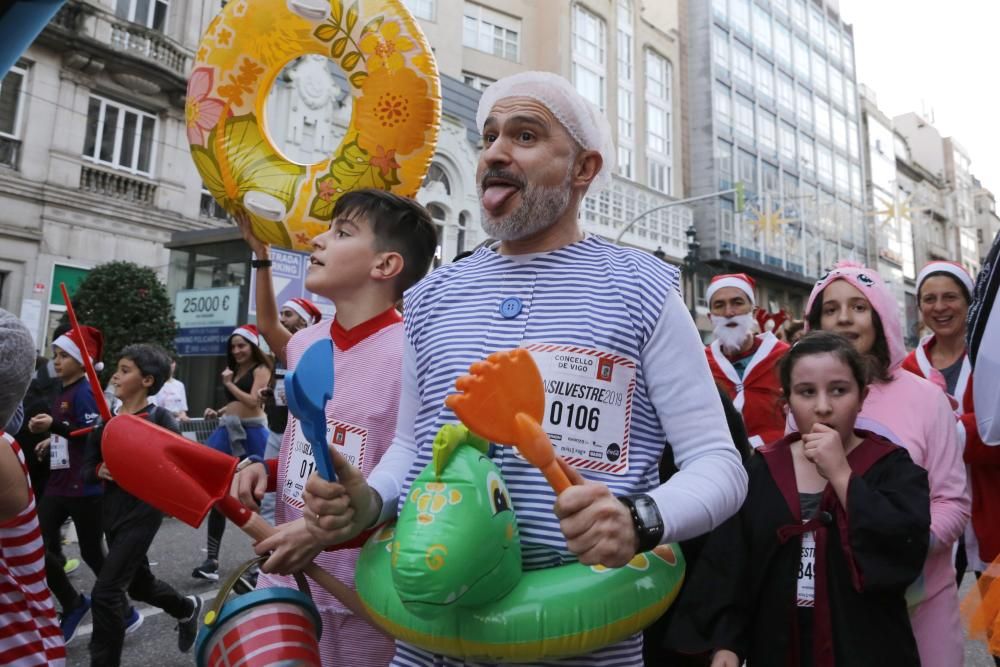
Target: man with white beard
x,y
609,334
745,365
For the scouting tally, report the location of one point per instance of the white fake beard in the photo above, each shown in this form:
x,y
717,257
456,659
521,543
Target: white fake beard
x,y
731,338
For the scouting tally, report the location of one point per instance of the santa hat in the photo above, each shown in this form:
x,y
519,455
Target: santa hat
x,y
305,309
740,281
70,343
957,271
248,331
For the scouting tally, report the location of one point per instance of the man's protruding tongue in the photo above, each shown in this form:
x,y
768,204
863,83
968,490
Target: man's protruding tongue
x,y
495,196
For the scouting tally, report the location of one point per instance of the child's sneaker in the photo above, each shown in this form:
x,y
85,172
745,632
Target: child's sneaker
x,y
133,620
187,629
71,565
70,621
207,570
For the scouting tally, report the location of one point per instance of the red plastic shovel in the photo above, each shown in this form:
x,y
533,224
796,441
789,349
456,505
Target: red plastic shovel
x,y
186,480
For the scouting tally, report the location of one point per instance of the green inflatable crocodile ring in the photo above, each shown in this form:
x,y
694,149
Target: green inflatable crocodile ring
x,y
447,576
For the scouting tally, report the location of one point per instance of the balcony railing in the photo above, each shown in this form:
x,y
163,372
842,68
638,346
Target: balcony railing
x,y
10,152
146,43
120,187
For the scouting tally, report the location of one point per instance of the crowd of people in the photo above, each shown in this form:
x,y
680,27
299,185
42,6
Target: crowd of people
x,y
820,478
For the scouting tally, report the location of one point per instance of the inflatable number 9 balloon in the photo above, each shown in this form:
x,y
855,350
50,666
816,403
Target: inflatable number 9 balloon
x,y
389,141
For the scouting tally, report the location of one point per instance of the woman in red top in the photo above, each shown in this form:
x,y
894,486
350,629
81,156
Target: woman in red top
x,y
944,293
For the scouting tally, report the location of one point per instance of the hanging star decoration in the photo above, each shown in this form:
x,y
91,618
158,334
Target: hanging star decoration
x,y
768,222
893,211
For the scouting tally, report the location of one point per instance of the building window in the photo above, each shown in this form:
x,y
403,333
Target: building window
x,y
782,44
787,142
150,13
819,73
739,14
437,177
588,55
766,131
477,81
720,48
624,20
841,177
839,131
658,113
836,87
822,110
491,32
724,159
768,178
805,107
817,26
761,28
438,217
658,176
422,9
723,107
625,115
211,208
742,64
786,92
801,52
624,166
848,55
746,169
824,165
852,139
744,116
851,99
799,13
765,79
119,136
11,95
832,42
807,157
719,6
463,224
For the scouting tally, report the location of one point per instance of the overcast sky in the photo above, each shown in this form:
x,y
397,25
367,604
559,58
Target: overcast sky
x,y
922,55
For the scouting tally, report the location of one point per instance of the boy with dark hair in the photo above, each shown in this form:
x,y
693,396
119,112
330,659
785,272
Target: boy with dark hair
x,y
131,524
378,245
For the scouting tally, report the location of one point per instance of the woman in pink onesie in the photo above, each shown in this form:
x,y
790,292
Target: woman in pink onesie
x,y
853,300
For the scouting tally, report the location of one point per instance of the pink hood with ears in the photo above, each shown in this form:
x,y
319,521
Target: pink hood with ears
x,y
870,283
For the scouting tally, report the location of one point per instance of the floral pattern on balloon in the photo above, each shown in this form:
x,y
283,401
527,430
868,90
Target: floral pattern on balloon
x,y
391,135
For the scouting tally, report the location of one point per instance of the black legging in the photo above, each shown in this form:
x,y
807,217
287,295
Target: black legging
x,y
216,527
86,514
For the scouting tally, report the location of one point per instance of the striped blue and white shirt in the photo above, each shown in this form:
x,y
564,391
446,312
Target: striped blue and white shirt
x,y
590,294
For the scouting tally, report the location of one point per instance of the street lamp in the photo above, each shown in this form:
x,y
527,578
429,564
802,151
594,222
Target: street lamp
x,y
691,262
660,254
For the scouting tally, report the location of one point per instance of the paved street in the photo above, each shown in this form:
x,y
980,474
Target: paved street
x,y
177,549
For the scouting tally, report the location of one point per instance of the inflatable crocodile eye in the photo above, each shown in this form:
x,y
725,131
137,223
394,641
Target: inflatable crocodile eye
x,y
392,78
498,495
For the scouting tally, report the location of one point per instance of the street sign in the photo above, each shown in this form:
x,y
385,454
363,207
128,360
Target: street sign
x,y
199,308
202,341
288,275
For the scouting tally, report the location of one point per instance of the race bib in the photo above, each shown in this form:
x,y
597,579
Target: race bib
x,y
300,463
806,590
58,452
588,405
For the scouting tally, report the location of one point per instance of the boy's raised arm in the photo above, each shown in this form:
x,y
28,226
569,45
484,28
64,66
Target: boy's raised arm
x,y
270,327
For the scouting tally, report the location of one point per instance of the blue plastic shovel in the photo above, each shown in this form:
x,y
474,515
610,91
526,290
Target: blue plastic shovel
x,y
308,388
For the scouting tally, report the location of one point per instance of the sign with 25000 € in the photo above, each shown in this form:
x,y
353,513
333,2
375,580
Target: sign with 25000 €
x,y
215,307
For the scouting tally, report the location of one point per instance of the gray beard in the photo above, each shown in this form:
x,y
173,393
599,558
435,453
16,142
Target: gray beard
x,y
540,207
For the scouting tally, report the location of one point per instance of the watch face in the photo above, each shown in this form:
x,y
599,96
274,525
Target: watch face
x,y
647,511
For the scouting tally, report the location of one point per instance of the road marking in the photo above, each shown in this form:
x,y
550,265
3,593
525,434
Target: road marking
x,y
146,611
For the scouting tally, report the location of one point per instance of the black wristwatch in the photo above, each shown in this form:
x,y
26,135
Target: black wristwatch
x,y
260,263
646,519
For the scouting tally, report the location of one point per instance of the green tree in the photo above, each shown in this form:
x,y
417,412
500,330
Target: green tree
x,y
129,304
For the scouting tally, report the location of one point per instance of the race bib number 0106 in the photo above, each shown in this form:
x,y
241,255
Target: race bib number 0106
x,y
588,404
300,462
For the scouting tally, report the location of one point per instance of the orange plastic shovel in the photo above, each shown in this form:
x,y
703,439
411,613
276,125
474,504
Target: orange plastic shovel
x,y
503,400
185,479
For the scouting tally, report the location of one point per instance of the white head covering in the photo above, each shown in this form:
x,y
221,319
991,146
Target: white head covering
x,y
17,363
956,271
582,120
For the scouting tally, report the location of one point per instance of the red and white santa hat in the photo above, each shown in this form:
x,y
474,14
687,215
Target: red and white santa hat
x,y
249,332
957,271
69,343
305,309
740,281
